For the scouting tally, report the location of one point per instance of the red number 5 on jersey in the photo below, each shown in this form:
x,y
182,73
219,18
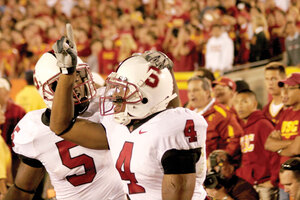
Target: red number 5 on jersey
x,y
124,159
83,160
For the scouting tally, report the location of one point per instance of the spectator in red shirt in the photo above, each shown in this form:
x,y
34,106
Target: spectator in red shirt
x,y
184,52
83,44
224,91
10,114
274,72
223,131
257,166
287,129
108,57
230,7
244,34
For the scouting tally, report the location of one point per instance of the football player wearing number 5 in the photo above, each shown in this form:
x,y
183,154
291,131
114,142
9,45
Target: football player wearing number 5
x,y
159,152
258,165
75,172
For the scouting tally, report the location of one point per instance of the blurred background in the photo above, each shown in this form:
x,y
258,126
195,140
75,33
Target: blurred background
x,y
229,37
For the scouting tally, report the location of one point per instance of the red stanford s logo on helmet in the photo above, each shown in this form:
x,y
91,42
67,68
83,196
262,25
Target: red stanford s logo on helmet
x,y
137,90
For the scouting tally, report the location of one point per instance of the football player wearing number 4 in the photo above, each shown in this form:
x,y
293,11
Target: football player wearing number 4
x,y
75,172
159,152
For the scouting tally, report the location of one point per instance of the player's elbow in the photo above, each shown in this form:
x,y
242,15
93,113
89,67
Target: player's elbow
x,y
178,186
57,127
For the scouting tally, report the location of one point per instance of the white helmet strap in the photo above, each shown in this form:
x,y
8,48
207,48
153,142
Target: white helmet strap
x,y
166,100
144,78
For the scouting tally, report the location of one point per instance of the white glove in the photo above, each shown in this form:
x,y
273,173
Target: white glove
x,y
157,59
65,52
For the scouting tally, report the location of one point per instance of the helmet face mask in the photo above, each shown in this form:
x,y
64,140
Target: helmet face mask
x,y
118,93
136,90
46,76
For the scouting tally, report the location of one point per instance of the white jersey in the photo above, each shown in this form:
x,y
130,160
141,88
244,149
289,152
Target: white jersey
x,y
75,172
138,154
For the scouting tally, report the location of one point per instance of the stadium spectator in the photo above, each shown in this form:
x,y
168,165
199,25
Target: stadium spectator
x,y
8,59
241,85
201,71
108,57
290,177
229,185
223,131
287,129
224,91
5,166
12,114
259,47
92,60
292,44
258,165
219,50
244,35
29,98
183,51
274,72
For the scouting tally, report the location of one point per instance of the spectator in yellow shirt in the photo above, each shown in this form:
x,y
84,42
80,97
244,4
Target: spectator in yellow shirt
x,y
29,97
5,167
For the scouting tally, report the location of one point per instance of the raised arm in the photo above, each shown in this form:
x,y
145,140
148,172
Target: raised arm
x,y
62,111
63,120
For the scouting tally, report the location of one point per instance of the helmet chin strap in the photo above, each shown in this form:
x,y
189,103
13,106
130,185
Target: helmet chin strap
x,y
122,118
166,100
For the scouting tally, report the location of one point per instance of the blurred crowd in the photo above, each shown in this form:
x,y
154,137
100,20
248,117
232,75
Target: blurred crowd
x,y
213,34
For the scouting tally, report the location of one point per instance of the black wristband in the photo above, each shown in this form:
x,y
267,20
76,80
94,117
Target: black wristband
x,y
69,127
23,190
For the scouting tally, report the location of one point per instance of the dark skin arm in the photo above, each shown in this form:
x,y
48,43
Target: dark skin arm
x,y
274,142
83,132
178,186
293,149
28,178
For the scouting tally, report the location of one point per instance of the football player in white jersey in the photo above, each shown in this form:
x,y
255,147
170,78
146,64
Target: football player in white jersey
x,y
75,172
159,152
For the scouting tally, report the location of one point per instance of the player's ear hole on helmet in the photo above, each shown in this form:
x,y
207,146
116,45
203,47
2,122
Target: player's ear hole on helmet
x,y
144,100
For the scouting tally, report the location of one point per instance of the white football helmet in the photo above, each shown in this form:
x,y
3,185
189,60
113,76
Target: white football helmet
x,y
137,90
46,75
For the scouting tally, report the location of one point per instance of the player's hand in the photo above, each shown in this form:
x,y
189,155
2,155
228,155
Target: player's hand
x,y
65,51
276,134
158,59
